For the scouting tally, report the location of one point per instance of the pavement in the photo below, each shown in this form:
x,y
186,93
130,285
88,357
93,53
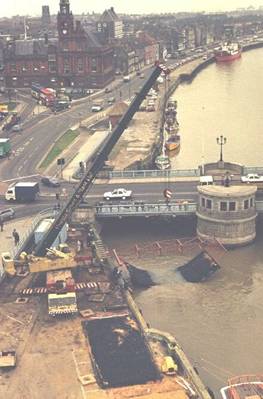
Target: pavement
x,y
6,238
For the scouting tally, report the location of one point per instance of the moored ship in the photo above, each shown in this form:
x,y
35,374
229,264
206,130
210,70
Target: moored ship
x,y
228,52
243,387
173,142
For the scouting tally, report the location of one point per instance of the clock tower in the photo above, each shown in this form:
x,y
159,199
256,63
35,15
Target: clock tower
x,y
65,20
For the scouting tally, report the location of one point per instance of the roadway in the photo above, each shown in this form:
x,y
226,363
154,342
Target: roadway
x,y
41,131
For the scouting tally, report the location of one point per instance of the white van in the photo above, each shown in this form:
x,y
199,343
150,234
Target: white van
x,y
206,180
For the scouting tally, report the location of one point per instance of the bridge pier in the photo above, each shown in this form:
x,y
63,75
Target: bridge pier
x,y
227,214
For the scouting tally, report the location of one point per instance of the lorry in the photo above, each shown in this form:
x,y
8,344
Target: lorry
x,y
62,304
22,192
5,147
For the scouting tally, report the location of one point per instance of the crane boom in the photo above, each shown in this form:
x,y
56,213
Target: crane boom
x,y
95,165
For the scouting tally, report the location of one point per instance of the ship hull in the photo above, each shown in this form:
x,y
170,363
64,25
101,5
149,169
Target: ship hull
x,y
227,57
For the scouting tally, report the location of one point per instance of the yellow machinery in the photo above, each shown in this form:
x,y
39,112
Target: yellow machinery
x,y
54,260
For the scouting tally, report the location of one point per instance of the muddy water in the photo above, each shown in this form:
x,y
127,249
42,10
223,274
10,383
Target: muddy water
x,y
218,322
223,99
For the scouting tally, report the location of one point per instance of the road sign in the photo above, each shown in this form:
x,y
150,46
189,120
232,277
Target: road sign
x,y
167,193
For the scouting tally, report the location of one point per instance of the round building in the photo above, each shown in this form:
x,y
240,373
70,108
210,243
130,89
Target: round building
x,y
227,214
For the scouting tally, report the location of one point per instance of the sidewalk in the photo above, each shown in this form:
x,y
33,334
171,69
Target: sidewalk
x,y
90,145
6,238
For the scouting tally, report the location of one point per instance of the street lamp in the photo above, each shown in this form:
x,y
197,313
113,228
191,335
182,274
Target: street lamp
x,y
221,140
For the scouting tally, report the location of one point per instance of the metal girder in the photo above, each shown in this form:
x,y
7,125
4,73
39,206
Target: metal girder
x,y
96,165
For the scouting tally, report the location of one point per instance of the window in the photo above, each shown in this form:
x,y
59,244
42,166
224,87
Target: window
x,y
93,65
251,201
52,67
67,66
203,202
223,206
51,57
80,65
232,206
209,204
246,202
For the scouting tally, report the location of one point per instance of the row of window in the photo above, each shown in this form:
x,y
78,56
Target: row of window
x,y
225,206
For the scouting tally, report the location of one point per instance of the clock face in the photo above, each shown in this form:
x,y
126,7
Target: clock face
x,y
64,31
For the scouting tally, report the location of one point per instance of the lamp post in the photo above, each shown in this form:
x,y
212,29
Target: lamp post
x,y
221,140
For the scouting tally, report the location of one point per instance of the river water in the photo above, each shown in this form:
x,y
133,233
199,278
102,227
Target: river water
x,y
224,99
218,322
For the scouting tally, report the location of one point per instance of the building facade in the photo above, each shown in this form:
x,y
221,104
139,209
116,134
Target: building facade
x,y
75,59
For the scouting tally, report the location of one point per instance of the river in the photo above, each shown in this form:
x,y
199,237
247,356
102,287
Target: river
x,y
224,99
218,322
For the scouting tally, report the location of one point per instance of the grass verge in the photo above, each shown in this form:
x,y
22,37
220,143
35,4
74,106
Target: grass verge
x,y
59,146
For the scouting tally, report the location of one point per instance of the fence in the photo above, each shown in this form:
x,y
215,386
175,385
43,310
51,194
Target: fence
x,y
142,174
144,209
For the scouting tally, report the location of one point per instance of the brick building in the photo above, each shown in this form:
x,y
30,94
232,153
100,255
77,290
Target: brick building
x,y
75,59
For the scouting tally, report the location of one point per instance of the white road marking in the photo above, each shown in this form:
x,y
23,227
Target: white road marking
x,y
22,177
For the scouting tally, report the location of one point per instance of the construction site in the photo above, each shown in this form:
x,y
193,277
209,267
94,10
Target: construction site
x,y
69,325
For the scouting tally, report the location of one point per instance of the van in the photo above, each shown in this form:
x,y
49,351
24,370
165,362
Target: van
x,y
206,180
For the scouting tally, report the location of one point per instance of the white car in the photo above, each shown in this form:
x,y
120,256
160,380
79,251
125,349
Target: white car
x,y
96,108
118,193
252,178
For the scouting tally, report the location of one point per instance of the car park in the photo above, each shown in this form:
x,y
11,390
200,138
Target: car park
x,y
118,193
50,181
252,178
7,214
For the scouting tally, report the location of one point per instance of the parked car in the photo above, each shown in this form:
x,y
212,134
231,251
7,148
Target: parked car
x,y
50,181
17,128
118,193
89,91
7,214
111,100
252,178
108,90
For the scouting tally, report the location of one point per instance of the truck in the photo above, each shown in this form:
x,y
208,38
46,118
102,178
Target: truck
x,y
62,304
5,147
22,192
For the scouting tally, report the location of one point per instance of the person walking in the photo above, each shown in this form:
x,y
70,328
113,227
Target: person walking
x,y
1,224
16,236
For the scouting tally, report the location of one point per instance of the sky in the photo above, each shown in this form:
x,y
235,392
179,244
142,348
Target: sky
x,y
33,7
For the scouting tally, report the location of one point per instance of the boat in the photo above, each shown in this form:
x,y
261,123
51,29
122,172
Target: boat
x,y
243,387
228,52
172,129
173,142
162,162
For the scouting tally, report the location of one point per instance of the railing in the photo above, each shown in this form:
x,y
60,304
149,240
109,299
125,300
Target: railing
x,y
141,174
145,209
253,169
46,213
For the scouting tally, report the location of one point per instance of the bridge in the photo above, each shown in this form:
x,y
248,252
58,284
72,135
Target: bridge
x,y
150,209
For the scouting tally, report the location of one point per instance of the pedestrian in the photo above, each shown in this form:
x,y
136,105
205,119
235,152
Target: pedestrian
x,y
16,236
1,224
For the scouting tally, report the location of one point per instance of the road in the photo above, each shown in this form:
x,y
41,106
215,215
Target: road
x,y
150,192
42,130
